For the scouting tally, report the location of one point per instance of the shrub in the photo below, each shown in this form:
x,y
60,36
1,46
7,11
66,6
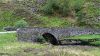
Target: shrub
x,y
6,18
40,39
63,7
48,9
21,24
53,6
88,16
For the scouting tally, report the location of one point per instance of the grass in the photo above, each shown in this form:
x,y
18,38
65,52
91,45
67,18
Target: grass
x,y
7,38
10,39
54,22
49,21
7,18
1,29
9,46
43,21
88,37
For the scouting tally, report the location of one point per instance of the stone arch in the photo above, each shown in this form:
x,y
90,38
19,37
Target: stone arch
x,y
50,38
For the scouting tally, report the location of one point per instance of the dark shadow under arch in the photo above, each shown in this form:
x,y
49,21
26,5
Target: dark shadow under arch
x,y
50,38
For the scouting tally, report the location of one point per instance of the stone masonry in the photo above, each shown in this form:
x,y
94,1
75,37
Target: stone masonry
x,y
30,34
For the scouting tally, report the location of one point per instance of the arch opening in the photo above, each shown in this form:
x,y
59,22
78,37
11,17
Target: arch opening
x,y
50,38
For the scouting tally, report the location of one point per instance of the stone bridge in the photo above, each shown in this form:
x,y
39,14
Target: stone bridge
x,y
53,34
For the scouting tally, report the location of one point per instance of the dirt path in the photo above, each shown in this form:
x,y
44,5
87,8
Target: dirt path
x,y
7,32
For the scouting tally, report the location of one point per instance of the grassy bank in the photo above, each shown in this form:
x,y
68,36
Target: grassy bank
x,y
9,46
86,36
89,37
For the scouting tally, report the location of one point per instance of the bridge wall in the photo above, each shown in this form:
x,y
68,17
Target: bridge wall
x,y
30,34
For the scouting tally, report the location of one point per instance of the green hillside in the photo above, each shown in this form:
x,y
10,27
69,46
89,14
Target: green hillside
x,y
51,13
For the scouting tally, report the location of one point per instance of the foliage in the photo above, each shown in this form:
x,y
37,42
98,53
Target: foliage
x,y
64,7
84,12
21,24
40,39
88,16
48,9
6,18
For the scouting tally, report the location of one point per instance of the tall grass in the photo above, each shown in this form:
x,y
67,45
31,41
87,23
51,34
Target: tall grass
x,y
9,46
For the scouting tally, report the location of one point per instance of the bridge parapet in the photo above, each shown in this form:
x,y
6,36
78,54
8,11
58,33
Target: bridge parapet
x,y
30,34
